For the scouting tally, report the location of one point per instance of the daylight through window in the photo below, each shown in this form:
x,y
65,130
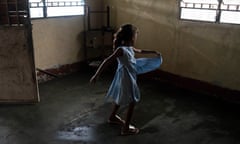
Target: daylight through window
x,y
55,8
219,11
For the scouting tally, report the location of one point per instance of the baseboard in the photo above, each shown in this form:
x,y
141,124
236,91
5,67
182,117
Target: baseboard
x,y
62,70
195,85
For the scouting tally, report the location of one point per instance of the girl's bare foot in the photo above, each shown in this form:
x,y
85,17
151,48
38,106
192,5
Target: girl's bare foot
x,y
129,131
116,120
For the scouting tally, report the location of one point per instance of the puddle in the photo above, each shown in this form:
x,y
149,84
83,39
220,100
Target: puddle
x,y
83,133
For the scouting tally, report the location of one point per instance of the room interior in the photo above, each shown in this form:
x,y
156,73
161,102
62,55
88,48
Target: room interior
x,y
46,64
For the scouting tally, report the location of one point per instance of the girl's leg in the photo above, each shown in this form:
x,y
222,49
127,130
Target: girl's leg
x,y
114,110
114,118
127,128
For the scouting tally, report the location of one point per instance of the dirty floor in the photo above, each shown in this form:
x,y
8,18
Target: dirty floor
x,y
72,111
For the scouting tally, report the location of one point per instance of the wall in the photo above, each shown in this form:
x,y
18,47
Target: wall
x,y
59,41
207,52
17,71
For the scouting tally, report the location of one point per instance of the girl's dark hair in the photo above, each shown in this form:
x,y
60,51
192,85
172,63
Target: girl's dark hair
x,y
124,36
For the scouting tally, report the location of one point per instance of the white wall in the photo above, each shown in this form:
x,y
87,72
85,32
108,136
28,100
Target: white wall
x,y
57,41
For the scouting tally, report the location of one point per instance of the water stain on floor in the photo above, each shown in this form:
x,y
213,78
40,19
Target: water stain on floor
x,y
84,133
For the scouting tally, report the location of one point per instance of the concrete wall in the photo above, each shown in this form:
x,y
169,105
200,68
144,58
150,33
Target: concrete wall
x,y
59,41
203,51
17,71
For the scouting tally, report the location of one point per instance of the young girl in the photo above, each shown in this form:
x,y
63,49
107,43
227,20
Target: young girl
x,y
124,89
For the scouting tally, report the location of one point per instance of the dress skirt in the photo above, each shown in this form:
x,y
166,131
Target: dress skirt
x,y
124,89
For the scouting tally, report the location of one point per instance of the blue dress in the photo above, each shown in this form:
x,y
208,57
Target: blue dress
x,y
124,89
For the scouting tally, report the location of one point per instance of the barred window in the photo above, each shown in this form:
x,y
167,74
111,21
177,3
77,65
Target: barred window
x,y
55,8
219,11
13,12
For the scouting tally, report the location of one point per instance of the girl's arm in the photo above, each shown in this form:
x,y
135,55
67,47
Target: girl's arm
x,y
146,51
118,52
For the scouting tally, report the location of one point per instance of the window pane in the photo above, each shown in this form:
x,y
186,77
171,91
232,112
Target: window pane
x,y
82,1
231,2
64,11
36,12
56,8
65,2
202,1
230,17
198,14
35,1
36,8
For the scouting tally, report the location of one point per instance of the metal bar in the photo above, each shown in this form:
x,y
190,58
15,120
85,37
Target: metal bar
x,y
198,8
8,17
218,14
44,9
230,10
180,9
20,11
28,20
89,17
84,33
200,3
228,7
16,5
108,17
46,72
59,4
98,11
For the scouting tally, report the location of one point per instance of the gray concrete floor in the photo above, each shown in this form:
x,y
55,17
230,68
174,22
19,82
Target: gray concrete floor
x,y
73,112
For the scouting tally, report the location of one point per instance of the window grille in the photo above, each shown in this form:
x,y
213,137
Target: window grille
x,y
55,8
13,12
218,11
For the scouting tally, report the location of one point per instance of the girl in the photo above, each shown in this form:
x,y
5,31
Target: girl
x,y
124,89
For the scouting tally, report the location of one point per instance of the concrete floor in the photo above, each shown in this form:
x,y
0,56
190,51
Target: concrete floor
x,y
73,112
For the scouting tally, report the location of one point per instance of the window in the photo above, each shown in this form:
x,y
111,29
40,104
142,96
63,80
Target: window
x,y
55,8
219,11
13,12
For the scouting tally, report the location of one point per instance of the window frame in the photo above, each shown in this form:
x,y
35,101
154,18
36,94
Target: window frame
x,y
46,4
219,11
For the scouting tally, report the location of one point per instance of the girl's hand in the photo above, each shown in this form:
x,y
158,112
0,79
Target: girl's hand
x,y
158,53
